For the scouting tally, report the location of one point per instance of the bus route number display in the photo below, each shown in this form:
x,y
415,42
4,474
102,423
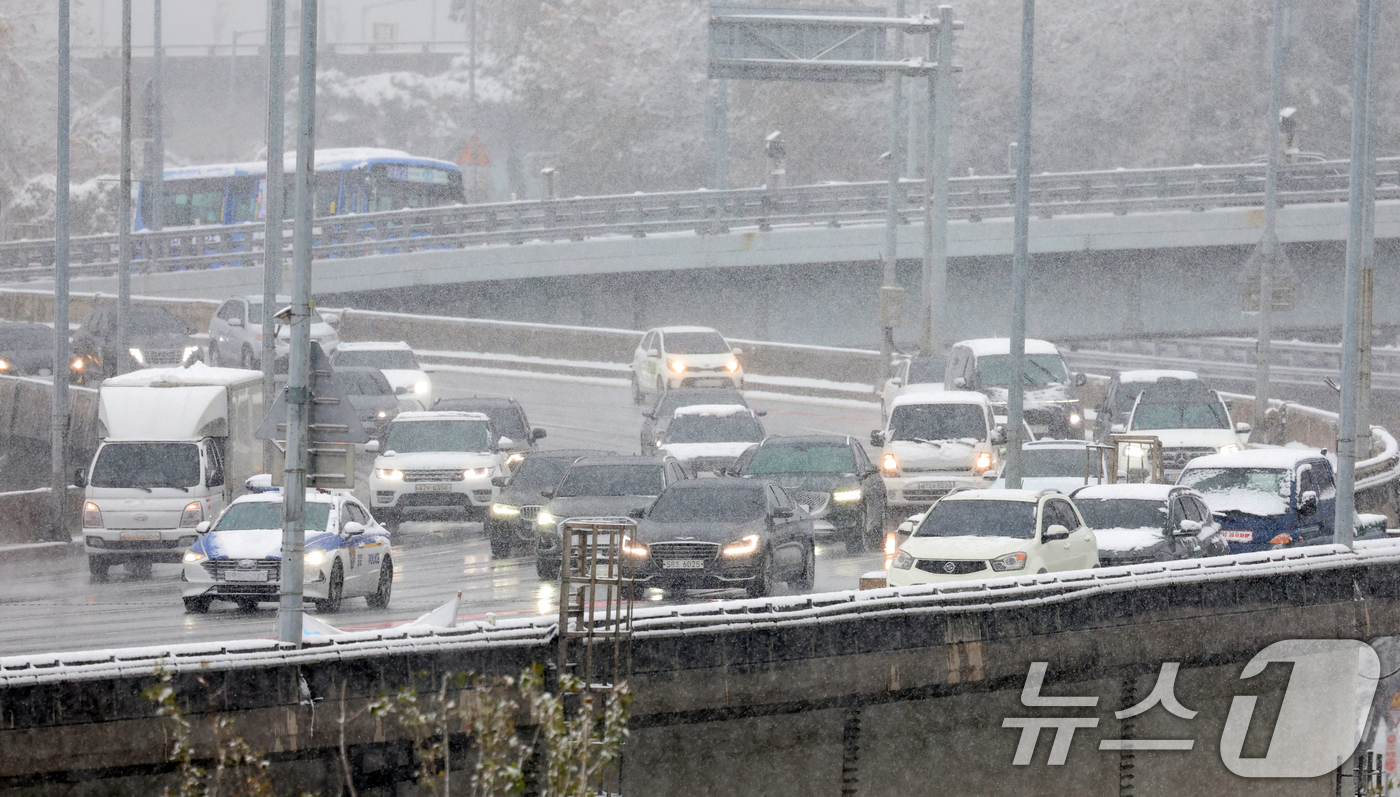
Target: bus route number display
x,y
417,174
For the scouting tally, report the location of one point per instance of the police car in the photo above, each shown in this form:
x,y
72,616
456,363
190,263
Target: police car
x,y
238,557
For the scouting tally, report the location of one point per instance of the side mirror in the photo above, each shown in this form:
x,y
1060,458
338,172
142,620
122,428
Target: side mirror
x,y
352,528
1118,428
504,442
1188,528
547,493
372,446
235,322
1243,428
653,353
499,481
638,513
1307,502
760,413
782,512
896,381
959,383
202,527
991,475
999,436
1055,532
538,434
1080,380
877,438
79,480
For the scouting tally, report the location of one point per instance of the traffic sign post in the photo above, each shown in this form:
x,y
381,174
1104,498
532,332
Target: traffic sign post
x,y
333,427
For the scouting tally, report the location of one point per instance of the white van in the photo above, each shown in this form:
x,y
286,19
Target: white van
x,y
934,442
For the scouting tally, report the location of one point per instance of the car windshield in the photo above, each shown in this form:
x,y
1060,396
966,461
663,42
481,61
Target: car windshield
x,y
147,465
1041,370
728,504
923,422
505,418
446,435
363,383
383,359
1015,519
1221,480
1127,395
818,458
604,480
540,473
262,515
1186,415
1122,513
1052,462
710,429
156,321
695,343
671,401
923,370
25,339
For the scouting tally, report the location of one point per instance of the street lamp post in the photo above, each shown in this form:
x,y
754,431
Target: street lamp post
x,y
1020,270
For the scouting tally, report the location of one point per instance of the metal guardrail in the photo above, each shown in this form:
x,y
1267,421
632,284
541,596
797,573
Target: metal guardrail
x,y
1120,191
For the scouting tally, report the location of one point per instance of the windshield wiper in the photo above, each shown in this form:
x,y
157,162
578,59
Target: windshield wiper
x,y
147,487
1044,370
934,443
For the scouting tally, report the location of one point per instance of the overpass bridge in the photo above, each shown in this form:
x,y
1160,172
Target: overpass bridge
x,y
1116,253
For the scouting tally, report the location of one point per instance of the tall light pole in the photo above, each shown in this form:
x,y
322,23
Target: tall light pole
x,y
124,199
58,421
1269,246
272,205
156,178
940,106
1020,269
889,279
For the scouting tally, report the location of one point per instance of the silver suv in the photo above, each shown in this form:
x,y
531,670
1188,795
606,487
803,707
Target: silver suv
x,y
236,330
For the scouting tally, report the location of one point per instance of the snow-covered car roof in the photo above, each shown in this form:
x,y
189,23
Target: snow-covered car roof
x,y
982,347
664,330
1273,458
1129,492
196,374
1149,375
312,496
330,158
376,345
1081,444
941,397
440,415
713,410
1029,496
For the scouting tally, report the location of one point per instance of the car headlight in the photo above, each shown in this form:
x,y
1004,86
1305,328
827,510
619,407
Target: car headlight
x,y
77,364
190,351
732,366
846,496
1229,448
889,465
545,519
388,473
92,516
1075,419
746,545
383,414
421,387
678,366
316,558
505,509
983,462
475,473
193,556
191,517
634,548
1134,451
515,458
1011,561
137,355
4,366
902,561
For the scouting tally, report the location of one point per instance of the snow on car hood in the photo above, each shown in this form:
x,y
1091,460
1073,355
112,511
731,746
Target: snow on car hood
x,y
689,451
964,547
1128,540
437,460
1054,392
943,454
1247,502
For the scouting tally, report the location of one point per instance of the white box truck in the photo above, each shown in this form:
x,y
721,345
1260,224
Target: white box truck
x,y
175,446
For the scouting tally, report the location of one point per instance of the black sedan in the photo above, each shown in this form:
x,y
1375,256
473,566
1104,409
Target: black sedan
x,y
724,533
372,397
26,349
830,477
1136,523
658,417
512,519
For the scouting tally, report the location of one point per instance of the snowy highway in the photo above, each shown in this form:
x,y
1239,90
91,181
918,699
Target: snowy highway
x,y
50,604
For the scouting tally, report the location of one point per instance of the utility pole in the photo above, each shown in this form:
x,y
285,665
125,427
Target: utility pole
x,y
471,56
1269,246
299,365
719,154
156,178
58,422
1345,520
272,205
1368,253
1020,268
890,275
940,105
124,201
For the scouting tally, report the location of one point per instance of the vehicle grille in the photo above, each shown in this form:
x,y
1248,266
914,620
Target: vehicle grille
x,y
706,551
432,475
1176,458
218,567
168,357
950,567
926,492
530,512
814,500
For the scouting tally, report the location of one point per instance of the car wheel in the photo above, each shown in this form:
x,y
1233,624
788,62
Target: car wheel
x,y
547,570
762,584
139,569
97,568
247,605
857,536
198,605
808,577
636,390
245,360
380,598
501,542
335,591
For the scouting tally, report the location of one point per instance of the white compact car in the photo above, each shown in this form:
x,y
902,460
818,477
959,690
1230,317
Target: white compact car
x,y
236,330
670,357
238,558
934,442
710,437
399,365
436,464
976,534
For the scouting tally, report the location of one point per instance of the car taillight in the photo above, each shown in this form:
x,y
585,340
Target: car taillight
x,y
92,516
192,516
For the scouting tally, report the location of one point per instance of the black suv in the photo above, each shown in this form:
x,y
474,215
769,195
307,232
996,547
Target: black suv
x,y
830,477
26,349
511,522
507,418
156,337
658,417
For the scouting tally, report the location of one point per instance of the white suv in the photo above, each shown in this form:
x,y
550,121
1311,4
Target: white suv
x,y
977,534
670,357
236,330
435,465
935,442
399,364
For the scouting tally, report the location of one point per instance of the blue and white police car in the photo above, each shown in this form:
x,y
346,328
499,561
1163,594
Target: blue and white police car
x,y
238,558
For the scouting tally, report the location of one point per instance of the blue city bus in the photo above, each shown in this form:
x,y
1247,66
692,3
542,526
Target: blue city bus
x,y
351,180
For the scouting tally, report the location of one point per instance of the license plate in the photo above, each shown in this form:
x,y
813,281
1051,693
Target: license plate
x,y
710,382
245,575
141,536
944,486
683,564
433,488
1238,536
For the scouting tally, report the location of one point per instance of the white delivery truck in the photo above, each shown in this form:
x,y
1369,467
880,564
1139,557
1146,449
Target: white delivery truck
x,y
175,446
